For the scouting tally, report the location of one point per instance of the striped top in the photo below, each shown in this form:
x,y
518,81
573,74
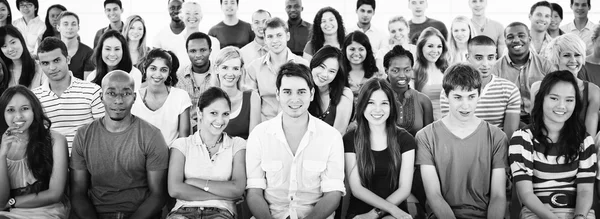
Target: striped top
x,y
549,174
497,98
78,105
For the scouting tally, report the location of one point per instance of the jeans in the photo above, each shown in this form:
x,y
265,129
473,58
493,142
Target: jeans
x,y
561,213
200,213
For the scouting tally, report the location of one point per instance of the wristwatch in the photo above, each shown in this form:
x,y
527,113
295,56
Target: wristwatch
x,y
12,202
379,212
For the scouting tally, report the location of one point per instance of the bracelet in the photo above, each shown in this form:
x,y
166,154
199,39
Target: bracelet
x,y
206,186
579,215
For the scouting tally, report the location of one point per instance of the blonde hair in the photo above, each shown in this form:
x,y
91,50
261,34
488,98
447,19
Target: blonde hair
x,y
452,44
190,5
226,54
141,47
402,20
562,43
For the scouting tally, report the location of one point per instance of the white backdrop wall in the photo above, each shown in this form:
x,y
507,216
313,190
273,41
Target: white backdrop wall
x,y
154,12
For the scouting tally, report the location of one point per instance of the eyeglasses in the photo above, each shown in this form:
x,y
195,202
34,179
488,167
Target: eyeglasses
x,y
26,5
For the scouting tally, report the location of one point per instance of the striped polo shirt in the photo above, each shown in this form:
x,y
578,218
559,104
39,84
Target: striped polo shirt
x,y
78,105
497,98
550,175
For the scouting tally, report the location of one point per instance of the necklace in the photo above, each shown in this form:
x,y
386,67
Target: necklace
x,y
481,27
210,147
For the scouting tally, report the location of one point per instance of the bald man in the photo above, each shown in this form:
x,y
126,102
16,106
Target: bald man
x,y
119,162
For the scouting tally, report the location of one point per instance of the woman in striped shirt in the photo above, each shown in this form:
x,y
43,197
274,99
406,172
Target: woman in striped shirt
x,y
553,160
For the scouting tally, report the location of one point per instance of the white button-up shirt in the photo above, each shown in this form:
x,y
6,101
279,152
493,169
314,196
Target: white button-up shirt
x,y
293,184
377,38
585,33
32,31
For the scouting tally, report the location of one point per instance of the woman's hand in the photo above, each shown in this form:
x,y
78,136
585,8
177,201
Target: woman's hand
x,y
400,214
369,215
7,139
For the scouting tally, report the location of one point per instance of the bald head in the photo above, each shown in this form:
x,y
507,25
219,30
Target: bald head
x,y
119,77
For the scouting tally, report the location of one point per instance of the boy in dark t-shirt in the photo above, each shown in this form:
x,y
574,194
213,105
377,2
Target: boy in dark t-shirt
x,y
419,21
232,31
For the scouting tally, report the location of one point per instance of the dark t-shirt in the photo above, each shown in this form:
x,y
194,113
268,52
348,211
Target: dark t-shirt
x,y
118,163
416,29
82,61
381,177
237,35
590,72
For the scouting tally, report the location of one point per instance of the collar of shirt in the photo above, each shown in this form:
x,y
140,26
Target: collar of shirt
x,y
110,28
299,23
259,48
370,30
276,129
189,70
511,63
35,20
267,58
225,141
46,85
589,26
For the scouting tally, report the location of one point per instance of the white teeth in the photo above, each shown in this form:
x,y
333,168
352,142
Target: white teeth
x,y
217,126
517,46
402,82
559,113
295,106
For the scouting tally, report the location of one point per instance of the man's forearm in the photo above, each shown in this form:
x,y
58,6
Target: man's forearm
x,y
326,206
82,206
440,208
497,208
150,207
258,205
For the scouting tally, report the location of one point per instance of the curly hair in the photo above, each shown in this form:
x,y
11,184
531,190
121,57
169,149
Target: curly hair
x,y
317,37
369,64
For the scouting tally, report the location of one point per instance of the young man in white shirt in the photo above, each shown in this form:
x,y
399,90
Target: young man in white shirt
x,y
257,47
365,9
581,25
294,162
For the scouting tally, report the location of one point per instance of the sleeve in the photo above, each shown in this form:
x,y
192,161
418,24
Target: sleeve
x,y
186,102
406,141
97,37
583,74
250,80
348,140
254,173
424,146
96,105
78,150
88,64
332,179
514,100
500,148
308,48
444,105
443,29
213,31
181,145
157,153
520,156
238,144
587,170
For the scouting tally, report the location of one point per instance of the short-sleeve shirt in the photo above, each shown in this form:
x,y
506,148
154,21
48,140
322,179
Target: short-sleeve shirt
x,y
219,167
590,72
82,61
377,38
381,178
550,174
497,98
32,31
237,35
416,29
118,163
186,82
252,51
585,34
464,166
167,116
494,30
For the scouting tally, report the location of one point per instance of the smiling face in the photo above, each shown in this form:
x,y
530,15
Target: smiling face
x,y
174,9
229,7
365,14
478,7
54,64
136,31
276,39
3,12
214,118
398,32
198,52
555,21
461,31
294,96
230,72
12,48
18,112
432,49
378,108
399,72
259,23
293,8
325,72
329,24
356,53
517,40
571,61
418,7
482,57
113,12
559,103
462,103
580,8
540,18
191,15
157,72
112,52
68,27
27,9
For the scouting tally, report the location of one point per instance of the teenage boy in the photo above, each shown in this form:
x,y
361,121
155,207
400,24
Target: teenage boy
x,y
113,10
482,25
581,25
419,21
232,31
257,47
365,10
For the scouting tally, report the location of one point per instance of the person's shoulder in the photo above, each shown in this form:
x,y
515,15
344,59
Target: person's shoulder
x,y
85,48
244,23
85,129
428,129
503,83
38,90
146,126
178,91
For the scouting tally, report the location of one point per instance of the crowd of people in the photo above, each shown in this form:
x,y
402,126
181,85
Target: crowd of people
x,y
293,120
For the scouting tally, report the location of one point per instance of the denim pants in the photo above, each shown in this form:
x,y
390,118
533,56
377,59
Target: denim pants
x,y
561,213
200,213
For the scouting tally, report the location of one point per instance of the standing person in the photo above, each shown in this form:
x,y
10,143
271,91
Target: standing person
x,y
113,10
22,68
245,104
5,13
557,17
540,16
257,47
460,33
299,29
398,29
553,160
419,21
568,52
112,53
210,192
333,100
30,25
51,22
195,78
262,73
69,102
134,32
379,156
80,54
591,71
463,158
365,10
521,66
294,162
359,61
232,31
581,25
499,101
164,37
486,26
414,108
33,159
159,103
122,139
430,66
328,29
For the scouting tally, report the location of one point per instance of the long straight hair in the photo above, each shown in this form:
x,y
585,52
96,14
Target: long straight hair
x,y
101,68
51,30
421,63
142,49
452,44
9,16
573,132
365,159
336,87
28,70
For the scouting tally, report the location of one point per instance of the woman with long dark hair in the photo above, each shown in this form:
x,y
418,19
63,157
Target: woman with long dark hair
x,y
379,156
327,29
112,53
359,61
553,160
22,68
33,159
333,98
52,16
5,13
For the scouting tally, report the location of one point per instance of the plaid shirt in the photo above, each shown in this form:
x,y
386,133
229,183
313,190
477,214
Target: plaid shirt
x,y
187,83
